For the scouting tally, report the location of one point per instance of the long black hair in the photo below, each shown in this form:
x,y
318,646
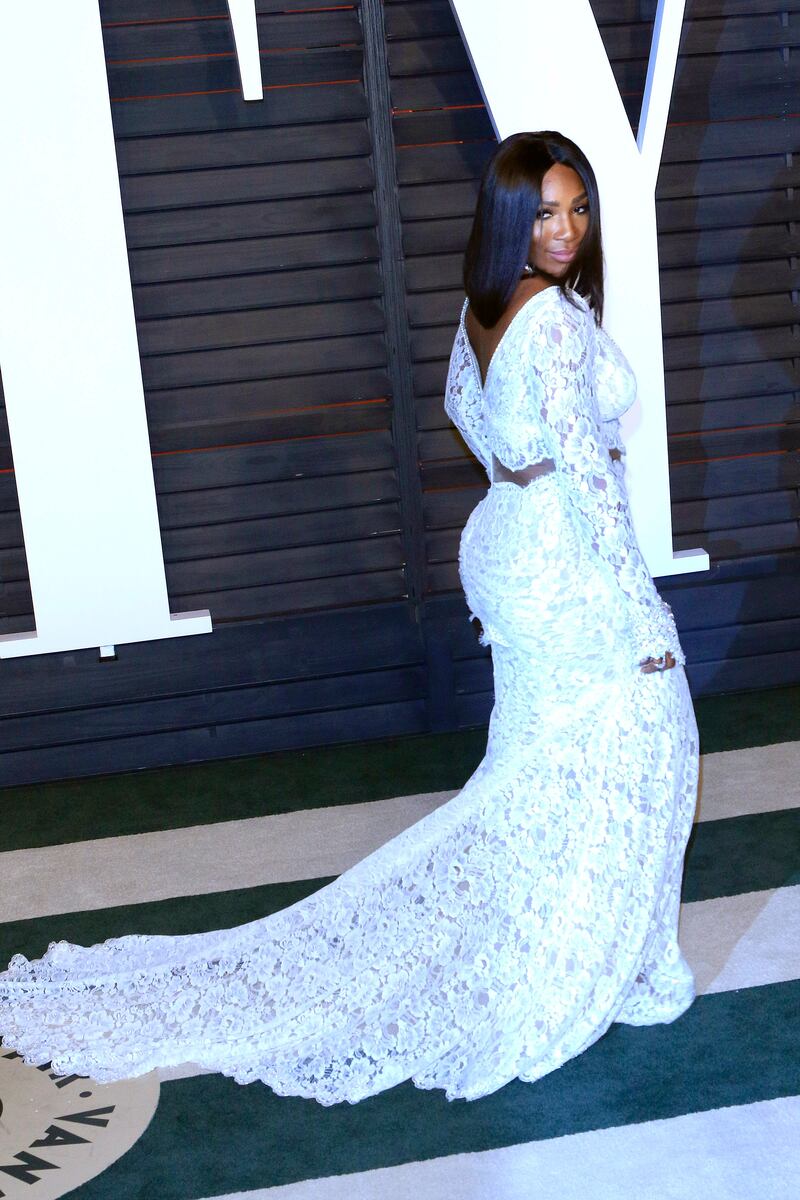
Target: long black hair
x,y
508,203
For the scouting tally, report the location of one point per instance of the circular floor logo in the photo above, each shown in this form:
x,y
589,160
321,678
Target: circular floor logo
x,y
58,1131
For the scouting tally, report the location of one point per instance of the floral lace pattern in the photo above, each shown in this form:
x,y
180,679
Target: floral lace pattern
x,y
561,378
502,934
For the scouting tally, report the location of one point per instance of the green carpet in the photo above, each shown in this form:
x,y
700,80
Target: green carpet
x,y
743,854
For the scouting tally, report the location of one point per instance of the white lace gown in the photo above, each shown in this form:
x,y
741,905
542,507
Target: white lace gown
x,y
502,934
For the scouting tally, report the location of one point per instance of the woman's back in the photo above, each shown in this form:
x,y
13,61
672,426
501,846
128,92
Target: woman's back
x,y
484,342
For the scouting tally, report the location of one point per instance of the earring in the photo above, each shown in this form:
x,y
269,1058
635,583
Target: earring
x,y
528,270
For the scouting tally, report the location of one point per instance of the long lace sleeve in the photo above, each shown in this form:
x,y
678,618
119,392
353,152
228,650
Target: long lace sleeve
x,y
611,438
463,401
558,363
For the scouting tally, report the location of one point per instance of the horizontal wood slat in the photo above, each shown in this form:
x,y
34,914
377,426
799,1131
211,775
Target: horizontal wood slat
x,y
739,413
239,466
288,498
161,39
176,227
212,709
260,361
714,383
227,414
239,256
261,602
275,534
352,281
234,656
136,80
237,148
288,564
285,732
196,114
214,331
201,188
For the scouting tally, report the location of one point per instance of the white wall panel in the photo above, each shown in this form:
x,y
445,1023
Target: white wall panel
x,y
68,348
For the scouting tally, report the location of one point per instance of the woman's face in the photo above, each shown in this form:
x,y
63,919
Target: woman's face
x,y
562,221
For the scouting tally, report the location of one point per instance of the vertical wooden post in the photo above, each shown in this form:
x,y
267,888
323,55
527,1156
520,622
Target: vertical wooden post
x,y
398,335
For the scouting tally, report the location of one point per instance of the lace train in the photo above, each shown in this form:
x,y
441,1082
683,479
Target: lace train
x,y
496,938
503,933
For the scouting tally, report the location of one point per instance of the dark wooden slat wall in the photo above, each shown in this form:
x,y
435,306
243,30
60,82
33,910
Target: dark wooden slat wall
x,y
270,307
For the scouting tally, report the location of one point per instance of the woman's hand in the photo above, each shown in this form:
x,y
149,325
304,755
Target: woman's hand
x,y
665,663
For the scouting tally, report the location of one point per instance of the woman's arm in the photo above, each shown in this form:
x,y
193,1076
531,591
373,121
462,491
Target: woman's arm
x,y
611,438
557,370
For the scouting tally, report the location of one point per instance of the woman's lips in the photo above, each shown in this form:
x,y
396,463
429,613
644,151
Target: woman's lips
x,y
563,256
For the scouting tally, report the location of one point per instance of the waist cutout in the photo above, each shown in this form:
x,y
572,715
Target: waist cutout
x,y
524,476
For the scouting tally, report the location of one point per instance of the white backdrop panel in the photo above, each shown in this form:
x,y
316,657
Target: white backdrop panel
x,y
68,349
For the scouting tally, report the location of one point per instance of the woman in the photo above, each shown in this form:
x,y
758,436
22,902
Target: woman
x,y
503,933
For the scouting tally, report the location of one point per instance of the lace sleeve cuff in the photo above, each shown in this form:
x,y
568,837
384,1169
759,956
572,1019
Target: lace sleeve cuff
x,y
656,633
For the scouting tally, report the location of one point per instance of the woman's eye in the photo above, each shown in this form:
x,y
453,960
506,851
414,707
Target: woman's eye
x,y
542,213
580,209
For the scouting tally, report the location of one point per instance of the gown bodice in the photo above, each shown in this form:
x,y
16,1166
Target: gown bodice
x,y
555,388
498,416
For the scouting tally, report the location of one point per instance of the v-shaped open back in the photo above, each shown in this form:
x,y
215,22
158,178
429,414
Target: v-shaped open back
x,y
523,308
